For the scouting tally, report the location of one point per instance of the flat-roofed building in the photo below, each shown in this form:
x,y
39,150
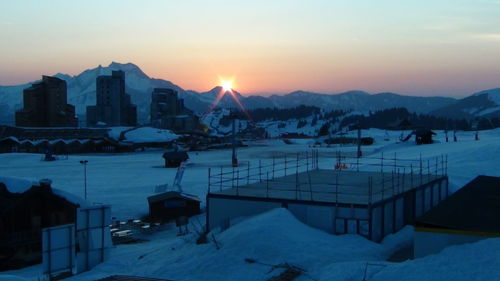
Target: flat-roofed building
x,y
45,104
113,106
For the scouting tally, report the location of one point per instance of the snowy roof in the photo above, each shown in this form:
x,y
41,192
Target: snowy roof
x,y
18,185
149,134
14,139
172,194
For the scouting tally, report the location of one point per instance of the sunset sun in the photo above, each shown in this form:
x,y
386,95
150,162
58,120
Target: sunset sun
x,y
227,85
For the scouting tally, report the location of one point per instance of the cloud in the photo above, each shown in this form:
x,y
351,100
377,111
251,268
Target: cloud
x,y
491,37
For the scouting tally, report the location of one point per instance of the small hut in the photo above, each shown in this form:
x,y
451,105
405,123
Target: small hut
x,y
423,136
173,204
173,159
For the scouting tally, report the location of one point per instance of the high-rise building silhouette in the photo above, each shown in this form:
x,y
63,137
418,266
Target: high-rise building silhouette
x,y
45,105
113,106
168,111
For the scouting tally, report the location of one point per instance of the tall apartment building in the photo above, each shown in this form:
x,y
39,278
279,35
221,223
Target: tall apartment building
x,y
113,106
45,105
168,111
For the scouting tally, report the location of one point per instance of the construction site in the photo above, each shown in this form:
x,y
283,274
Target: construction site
x,y
369,196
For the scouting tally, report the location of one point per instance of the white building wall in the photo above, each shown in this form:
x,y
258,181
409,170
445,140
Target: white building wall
x,y
222,211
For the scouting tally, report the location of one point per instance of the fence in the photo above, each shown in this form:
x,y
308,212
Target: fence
x,y
280,166
370,179
58,249
92,229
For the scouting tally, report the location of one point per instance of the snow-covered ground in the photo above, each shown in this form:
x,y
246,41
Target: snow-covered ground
x,y
126,180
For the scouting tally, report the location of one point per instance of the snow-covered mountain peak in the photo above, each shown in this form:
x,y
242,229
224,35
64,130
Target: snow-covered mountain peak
x,y
493,95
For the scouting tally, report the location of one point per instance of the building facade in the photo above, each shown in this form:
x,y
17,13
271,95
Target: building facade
x,y
168,111
45,105
113,106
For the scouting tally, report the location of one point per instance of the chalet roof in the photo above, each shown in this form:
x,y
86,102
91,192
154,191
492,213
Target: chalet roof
x,y
11,187
172,194
474,207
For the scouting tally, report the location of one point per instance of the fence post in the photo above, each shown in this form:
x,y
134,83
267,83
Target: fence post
x,y
297,164
248,173
336,190
420,168
267,184
403,179
442,165
395,162
310,186
285,165
429,169
260,171
411,175
436,166
209,177
357,164
382,164
370,190
273,167
237,178
392,175
446,164
232,178
220,178
307,161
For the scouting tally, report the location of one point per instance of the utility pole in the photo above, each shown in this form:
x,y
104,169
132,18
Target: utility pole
x,y
84,163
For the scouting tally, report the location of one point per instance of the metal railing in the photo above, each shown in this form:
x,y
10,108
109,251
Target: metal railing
x,y
389,176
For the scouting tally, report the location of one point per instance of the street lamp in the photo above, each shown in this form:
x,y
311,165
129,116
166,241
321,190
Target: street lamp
x,y
84,162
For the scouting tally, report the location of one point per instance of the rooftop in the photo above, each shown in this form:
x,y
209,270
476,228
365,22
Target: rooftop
x,y
332,186
474,207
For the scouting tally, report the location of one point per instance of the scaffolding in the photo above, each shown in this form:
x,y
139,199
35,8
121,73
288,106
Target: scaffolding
x,y
371,179
371,196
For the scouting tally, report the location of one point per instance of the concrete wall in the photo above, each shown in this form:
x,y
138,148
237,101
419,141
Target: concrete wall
x,y
428,243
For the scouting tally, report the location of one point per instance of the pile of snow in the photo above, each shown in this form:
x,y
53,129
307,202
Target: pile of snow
x,y
149,134
474,261
271,238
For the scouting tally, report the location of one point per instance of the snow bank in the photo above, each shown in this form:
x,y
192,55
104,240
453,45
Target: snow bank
x,y
271,238
475,261
148,134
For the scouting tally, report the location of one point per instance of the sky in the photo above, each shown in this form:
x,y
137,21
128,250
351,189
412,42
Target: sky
x,y
440,47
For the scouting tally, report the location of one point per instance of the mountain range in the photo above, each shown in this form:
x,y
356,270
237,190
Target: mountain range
x,y
81,93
